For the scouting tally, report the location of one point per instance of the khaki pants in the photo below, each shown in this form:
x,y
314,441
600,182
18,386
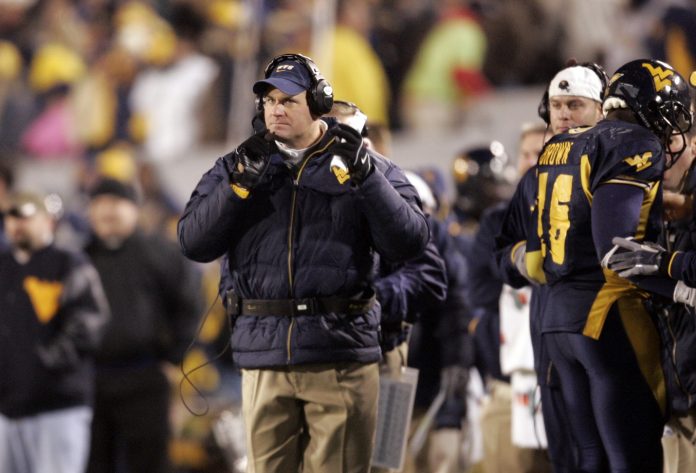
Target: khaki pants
x,y
311,418
441,452
499,453
680,446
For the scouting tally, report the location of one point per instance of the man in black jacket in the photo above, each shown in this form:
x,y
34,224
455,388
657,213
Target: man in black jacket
x,y
52,313
299,210
155,299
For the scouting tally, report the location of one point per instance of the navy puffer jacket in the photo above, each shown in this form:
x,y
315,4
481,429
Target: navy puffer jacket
x,y
302,233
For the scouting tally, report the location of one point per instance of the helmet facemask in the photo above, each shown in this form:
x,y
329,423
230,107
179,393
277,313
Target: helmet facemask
x,y
675,119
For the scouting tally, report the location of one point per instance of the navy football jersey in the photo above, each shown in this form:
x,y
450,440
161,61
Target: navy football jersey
x,y
562,246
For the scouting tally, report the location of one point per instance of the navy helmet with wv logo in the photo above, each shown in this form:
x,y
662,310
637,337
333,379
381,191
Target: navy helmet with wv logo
x,y
658,96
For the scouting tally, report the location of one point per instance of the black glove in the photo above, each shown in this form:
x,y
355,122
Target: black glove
x,y
640,259
250,161
350,147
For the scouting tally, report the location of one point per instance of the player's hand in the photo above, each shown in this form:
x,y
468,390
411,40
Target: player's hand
x,y
350,147
677,206
518,256
638,259
250,161
684,294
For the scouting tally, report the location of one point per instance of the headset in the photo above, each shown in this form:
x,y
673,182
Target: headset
x,y
320,94
543,109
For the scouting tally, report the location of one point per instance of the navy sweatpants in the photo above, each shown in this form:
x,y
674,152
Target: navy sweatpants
x,y
561,445
615,418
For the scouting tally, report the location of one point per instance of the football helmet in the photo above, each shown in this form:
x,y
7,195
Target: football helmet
x,y
658,96
480,178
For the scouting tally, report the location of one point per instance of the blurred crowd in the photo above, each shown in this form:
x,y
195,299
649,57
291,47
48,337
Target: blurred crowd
x,y
156,78
118,87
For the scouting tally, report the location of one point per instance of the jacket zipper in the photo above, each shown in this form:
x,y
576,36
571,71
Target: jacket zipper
x,y
295,186
673,358
669,238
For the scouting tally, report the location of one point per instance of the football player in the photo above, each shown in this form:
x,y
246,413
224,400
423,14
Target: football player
x,y
594,183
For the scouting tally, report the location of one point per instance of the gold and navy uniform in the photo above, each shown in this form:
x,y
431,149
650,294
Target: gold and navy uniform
x,y
593,184
568,236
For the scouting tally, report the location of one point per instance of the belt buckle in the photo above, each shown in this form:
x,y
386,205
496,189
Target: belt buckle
x,y
233,303
303,306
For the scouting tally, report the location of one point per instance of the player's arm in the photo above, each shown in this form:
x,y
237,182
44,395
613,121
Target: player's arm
x,y
619,209
511,240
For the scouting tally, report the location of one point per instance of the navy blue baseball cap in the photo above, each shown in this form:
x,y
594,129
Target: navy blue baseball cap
x,y
290,77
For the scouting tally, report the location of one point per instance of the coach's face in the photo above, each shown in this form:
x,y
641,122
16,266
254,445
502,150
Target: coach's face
x,y
289,120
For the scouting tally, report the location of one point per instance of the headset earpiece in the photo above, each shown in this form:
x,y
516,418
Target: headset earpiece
x,y
320,93
543,109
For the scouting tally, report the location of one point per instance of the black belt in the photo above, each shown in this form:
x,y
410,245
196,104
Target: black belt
x,y
292,307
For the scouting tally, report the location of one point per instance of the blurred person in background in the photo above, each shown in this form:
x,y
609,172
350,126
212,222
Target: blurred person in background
x,y
17,106
155,300
480,182
6,182
523,46
53,72
399,29
504,343
305,328
440,347
573,98
677,321
356,72
447,70
673,38
167,97
53,315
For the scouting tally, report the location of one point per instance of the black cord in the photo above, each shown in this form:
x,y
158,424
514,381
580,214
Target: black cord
x,y
186,374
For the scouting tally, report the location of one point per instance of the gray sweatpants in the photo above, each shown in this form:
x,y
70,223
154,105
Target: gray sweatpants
x,y
50,442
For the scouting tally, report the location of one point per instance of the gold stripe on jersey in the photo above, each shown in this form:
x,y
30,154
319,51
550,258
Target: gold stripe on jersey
x,y
616,287
629,182
645,340
542,179
669,266
651,195
585,171
613,289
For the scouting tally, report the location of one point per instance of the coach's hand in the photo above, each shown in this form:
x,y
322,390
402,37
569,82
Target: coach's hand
x,y
350,147
250,161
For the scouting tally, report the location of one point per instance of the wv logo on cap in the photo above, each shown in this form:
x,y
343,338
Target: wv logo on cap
x,y
284,67
661,77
